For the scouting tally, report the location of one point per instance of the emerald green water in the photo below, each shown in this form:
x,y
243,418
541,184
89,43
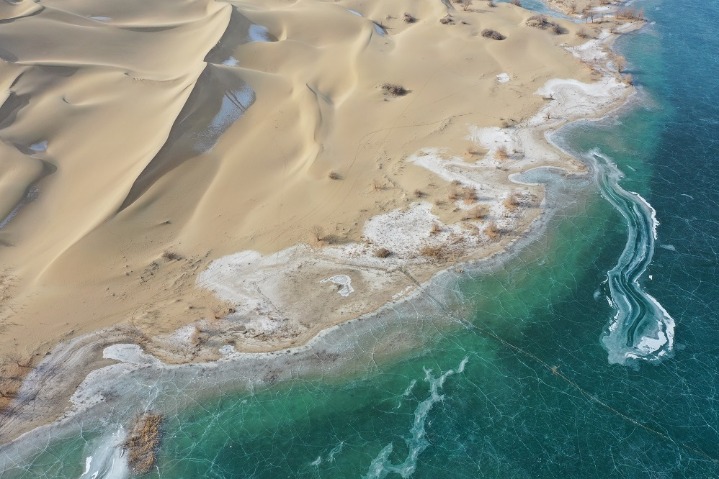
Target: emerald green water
x,y
502,375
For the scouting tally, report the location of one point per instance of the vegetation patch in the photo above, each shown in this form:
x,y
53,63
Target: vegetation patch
x,y
543,23
141,446
493,34
392,89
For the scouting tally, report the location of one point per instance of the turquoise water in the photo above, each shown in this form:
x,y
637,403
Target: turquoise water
x,y
507,375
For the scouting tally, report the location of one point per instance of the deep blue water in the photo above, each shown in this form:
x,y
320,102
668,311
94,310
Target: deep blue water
x,y
522,386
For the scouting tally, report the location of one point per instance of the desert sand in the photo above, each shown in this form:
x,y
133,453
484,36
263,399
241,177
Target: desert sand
x,y
208,175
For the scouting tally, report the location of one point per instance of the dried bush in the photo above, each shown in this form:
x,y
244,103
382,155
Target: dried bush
x,y
502,153
512,202
408,18
142,443
446,20
630,14
469,194
394,90
382,253
477,213
492,231
493,34
543,23
583,33
435,252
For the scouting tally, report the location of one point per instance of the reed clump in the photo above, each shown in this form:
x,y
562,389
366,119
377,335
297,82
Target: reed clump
x,y
142,443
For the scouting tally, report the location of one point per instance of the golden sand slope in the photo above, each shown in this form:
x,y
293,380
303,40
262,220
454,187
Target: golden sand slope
x,y
141,139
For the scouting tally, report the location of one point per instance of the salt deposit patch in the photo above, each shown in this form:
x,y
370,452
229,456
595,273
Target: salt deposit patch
x,y
402,232
503,77
343,282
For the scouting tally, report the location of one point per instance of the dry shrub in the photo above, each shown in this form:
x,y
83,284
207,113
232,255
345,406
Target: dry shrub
x,y
543,23
408,18
436,252
455,192
382,253
512,202
477,213
446,20
502,153
436,228
493,34
584,33
469,194
492,231
621,63
171,256
142,443
419,193
392,89
333,175
630,14
517,3
465,4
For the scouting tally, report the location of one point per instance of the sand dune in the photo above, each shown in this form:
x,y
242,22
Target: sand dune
x,y
141,140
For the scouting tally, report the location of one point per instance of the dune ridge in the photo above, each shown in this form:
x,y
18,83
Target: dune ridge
x,y
150,142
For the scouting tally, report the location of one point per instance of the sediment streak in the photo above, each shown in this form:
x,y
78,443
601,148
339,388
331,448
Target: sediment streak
x,y
641,328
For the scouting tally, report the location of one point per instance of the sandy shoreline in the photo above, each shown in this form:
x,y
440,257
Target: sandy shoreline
x,y
264,296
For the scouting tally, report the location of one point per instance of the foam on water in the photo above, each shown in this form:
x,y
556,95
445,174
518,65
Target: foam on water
x,y
641,328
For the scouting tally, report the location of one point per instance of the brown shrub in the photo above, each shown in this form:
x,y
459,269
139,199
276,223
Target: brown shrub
x,y
171,256
142,443
512,202
446,20
333,175
438,253
392,89
493,34
469,194
455,192
583,33
408,18
630,14
543,23
477,213
492,231
382,253
502,153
